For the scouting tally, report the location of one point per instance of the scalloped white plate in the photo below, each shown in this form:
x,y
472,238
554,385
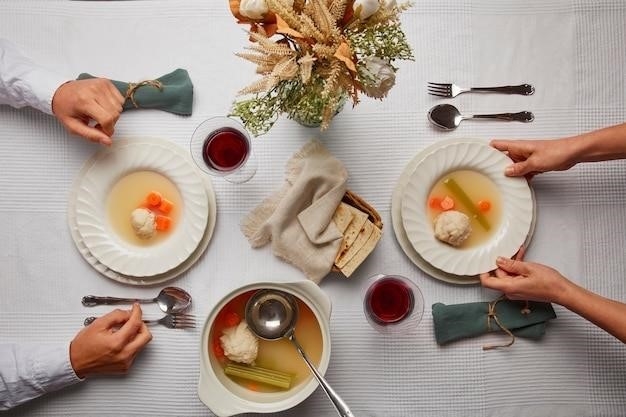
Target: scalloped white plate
x,y
517,208
154,279
108,167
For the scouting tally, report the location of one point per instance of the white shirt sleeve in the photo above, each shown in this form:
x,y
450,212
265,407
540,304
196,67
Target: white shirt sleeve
x,y
24,83
29,371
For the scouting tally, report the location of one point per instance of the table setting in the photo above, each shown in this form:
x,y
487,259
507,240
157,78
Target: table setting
x,y
281,188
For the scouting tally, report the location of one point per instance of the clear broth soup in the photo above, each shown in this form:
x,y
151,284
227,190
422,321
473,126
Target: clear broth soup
x,y
130,193
478,187
278,355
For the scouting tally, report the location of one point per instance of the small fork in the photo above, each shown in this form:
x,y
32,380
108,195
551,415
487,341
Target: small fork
x,y
171,321
453,90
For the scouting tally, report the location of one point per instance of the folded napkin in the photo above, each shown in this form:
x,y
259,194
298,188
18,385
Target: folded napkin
x,y
172,93
515,318
297,218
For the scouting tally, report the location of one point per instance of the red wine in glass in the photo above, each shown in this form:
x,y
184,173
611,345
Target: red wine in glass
x,y
389,300
225,149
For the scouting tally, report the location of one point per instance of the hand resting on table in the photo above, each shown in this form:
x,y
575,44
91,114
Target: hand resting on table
x,y
110,344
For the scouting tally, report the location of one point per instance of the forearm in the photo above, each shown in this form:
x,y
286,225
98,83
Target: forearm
x,y
600,145
607,314
29,371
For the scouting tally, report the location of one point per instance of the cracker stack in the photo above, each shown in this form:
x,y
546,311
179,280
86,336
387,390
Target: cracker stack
x,y
361,227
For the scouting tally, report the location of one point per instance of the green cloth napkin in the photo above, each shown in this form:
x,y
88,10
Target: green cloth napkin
x,y
175,96
459,321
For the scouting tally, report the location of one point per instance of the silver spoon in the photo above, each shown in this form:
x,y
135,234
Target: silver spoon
x,y
170,300
448,117
272,315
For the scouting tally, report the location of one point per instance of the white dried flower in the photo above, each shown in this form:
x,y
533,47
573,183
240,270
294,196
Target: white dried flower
x,y
256,9
379,77
253,9
367,8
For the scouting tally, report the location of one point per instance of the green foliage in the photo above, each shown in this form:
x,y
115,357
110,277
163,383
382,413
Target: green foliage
x,y
384,41
302,102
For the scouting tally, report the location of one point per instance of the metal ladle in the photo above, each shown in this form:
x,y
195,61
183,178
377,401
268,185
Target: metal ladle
x,y
170,300
272,315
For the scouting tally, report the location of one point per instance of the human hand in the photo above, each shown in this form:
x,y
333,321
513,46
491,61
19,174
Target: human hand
x,y
110,344
532,157
78,102
520,280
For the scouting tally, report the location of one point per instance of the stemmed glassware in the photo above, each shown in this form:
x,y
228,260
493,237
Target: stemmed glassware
x,y
221,146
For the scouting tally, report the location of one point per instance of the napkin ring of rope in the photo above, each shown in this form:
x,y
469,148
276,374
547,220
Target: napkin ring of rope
x,y
491,315
133,87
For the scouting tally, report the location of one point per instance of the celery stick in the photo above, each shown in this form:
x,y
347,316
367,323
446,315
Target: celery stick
x,y
263,375
458,192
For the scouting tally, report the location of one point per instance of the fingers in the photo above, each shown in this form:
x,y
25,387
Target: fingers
x,y
113,319
501,145
512,266
115,97
518,169
106,118
501,273
80,128
132,326
489,281
519,256
142,338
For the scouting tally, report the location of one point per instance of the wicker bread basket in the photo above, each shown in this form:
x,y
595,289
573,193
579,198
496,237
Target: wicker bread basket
x,y
353,199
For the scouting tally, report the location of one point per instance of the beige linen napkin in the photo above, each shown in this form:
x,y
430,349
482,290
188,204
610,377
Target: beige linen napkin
x,y
297,218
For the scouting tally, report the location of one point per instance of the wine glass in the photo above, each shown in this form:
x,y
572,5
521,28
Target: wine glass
x,y
221,146
393,304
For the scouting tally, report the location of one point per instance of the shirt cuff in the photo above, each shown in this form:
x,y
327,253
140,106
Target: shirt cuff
x,y
54,369
44,85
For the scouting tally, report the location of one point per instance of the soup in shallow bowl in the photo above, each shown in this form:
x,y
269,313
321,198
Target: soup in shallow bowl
x,y
221,387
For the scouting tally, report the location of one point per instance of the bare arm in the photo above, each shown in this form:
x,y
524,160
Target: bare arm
x,y
601,145
531,157
520,280
607,314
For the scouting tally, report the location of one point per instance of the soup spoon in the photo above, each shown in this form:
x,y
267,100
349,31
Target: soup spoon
x,y
169,300
272,315
448,117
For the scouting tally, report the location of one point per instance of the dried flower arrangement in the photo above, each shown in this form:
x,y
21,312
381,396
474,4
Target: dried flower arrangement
x,y
314,54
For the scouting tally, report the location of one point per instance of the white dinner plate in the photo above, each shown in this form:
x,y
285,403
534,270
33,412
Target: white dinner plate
x,y
155,279
398,227
516,199
108,167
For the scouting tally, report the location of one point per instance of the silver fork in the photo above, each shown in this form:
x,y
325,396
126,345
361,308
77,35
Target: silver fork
x,y
171,321
453,90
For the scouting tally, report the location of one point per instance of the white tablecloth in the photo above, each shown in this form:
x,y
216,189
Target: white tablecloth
x,y
573,52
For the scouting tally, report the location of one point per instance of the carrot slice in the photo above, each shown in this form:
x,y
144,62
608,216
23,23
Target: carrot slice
x,y
217,349
435,203
484,205
166,206
447,203
232,319
154,198
163,223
